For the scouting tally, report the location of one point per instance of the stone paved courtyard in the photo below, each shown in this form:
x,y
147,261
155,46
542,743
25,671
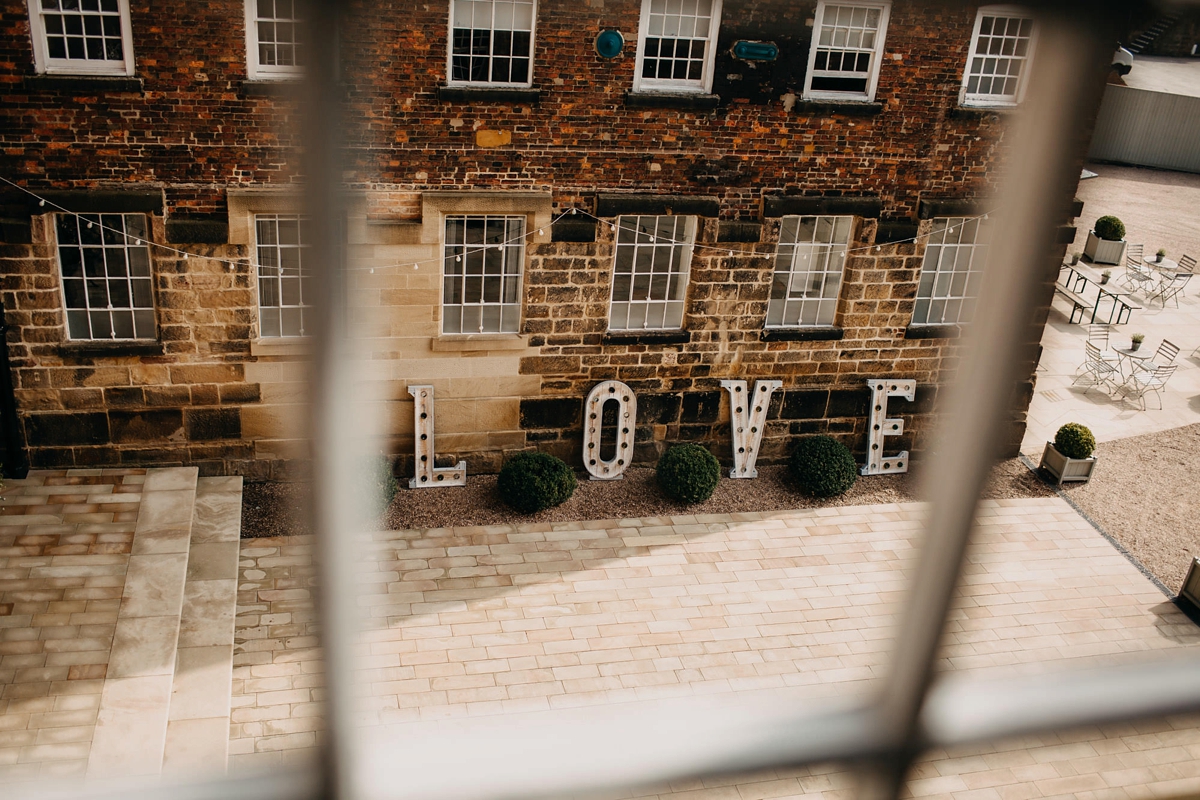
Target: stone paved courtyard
x,y
521,619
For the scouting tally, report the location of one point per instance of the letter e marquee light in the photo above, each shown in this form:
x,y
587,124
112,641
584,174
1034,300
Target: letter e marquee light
x,y
593,427
878,427
424,473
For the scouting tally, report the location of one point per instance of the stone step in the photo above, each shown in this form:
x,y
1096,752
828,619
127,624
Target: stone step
x,y
198,722
131,724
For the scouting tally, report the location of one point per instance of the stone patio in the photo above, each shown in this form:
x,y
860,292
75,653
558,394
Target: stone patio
x,y
523,619
1155,207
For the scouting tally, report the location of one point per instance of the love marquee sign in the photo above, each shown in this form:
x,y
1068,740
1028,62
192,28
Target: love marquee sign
x,y
748,418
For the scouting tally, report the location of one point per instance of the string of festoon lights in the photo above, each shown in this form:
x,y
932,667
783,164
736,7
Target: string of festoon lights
x,y
92,221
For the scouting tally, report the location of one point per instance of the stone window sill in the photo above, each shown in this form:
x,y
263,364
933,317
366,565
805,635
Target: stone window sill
x,y
977,112
688,101
478,342
933,332
647,337
271,87
107,84
283,346
489,94
126,347
846,108
815,334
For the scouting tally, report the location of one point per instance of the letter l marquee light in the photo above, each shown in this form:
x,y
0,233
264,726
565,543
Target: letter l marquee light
x,y
424,473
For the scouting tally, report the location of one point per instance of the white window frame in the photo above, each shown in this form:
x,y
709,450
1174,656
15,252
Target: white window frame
x,y
450,81
827,253
992,101
682,85
129,242
255,70
679,262
868,95
951,253
258,278
46,65
458,250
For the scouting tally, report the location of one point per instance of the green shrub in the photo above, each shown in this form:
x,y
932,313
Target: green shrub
x,y
1110,228
823,467
534,481
377,484
688,473
1074,441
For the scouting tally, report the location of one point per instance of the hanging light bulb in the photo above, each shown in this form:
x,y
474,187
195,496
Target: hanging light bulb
x,y
89,226
414,266
372,270
41,203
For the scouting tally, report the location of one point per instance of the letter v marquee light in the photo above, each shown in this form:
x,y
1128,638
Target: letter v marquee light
x,y
747,417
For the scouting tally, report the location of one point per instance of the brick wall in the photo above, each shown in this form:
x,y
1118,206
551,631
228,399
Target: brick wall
x,y
191,126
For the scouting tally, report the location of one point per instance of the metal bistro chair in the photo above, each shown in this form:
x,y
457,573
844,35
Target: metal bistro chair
x,y
1170,290
1186,264
1098,335
1102,371
1137,274
1165,354
1154,380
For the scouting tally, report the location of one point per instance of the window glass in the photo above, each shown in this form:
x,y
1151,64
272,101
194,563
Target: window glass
x,y
274,31
808,270
999,60
104,262
491,41
848,46
650,272
677,43
81,36
955,254
481,274
284,291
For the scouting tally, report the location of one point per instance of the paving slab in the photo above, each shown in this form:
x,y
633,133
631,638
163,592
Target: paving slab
x,y
470,623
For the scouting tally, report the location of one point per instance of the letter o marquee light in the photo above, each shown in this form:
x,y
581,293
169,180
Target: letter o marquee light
x,y
593,426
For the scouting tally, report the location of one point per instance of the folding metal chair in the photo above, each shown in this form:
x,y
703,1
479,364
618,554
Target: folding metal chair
x,y
1170,290
1154,380
1165,354
1102,371
1137,274
1098,335
1186,264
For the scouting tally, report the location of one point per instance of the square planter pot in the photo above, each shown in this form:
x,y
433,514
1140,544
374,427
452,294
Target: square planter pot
x,y
1102,251
1064,469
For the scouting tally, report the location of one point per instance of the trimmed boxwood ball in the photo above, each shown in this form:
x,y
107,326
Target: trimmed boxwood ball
x,y
534,481
822,466
1110,228
1074,441
688,473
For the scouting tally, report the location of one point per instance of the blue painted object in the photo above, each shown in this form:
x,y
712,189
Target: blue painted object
x,y
755,51
609,43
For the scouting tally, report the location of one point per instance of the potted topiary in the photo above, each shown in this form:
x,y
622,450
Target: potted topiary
x,y
822,466
1106,241
1069,457
1135,340
533,481
688,473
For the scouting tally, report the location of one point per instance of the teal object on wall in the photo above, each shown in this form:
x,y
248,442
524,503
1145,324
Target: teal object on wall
x,y
755,51
609,43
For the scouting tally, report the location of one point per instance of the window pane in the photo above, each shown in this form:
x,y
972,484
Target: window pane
x,y
282,273
484,249
657,250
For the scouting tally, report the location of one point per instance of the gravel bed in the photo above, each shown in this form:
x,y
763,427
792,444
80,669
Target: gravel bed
x,y
1143,494
275,509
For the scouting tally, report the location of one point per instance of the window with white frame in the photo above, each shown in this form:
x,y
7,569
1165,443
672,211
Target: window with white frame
x,y
676,43
843,61
650,272
998,67
481,274
491,42
105,266
81,37
808,270
274,46
955,254
284,297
